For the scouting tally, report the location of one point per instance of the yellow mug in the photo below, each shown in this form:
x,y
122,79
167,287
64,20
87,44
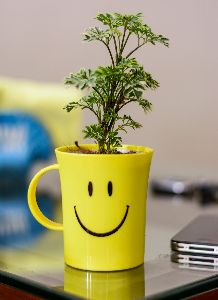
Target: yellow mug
x,y
104,206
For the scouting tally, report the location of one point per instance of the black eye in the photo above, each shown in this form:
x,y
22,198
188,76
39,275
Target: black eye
x,y
90,188
110,188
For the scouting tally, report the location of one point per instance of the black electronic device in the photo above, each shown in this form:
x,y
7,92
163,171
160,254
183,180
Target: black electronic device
x,y
199,237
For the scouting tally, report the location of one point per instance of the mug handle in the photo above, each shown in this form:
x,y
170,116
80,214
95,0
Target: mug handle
x,y
32,202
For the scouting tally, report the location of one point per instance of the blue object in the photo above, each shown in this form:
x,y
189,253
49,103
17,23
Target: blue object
x,y
23,141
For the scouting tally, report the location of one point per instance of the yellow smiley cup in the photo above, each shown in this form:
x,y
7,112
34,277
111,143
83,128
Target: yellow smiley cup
x,y
104,206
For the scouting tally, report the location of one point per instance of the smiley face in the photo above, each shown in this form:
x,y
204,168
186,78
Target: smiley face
x,y
101,234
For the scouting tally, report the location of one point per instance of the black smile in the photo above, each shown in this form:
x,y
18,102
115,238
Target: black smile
x,y
104,233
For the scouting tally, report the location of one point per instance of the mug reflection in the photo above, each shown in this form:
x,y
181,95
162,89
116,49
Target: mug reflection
x,y
128,284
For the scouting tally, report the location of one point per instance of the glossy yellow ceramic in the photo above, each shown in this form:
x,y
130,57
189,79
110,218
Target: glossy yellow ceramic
x,y
104,207
122,285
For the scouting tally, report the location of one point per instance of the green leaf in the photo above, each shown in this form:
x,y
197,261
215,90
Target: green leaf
x,y
82,79
72,106
145,104
94,131
114,140
97,34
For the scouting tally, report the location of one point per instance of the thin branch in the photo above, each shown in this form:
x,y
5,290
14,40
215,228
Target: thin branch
x,y
98,93
115,46
125,43
111,96
119,43
132,100
115,89
109,50
130,53
104,91
91,109
124,34
119,93
99,113
138,38
121,89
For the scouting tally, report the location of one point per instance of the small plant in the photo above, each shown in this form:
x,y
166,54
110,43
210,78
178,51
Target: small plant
x,y
113,87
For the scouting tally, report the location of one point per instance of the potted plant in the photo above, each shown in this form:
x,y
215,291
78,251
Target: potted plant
x,y
104,185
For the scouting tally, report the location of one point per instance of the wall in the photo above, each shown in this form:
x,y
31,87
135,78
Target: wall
x,y
41,40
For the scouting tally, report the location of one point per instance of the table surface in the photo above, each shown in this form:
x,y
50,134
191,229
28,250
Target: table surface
x,y
39,266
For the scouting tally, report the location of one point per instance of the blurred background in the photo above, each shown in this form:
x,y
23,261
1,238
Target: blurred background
x,y
41,41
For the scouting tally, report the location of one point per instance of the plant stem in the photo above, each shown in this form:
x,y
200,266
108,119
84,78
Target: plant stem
x,y
115,46
130,53
124,33
109,50
98,94
119,44
125,43
125,104
91,109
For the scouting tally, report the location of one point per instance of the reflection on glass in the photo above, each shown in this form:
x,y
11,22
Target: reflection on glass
x,y
23,142
128,284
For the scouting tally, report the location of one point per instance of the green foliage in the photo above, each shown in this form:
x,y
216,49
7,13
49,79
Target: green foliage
x,y
112,87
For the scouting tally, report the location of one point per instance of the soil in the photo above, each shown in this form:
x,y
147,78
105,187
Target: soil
x,y
85,151
82,151
88,151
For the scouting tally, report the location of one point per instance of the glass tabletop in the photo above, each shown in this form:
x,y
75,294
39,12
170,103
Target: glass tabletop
x,y
37,265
